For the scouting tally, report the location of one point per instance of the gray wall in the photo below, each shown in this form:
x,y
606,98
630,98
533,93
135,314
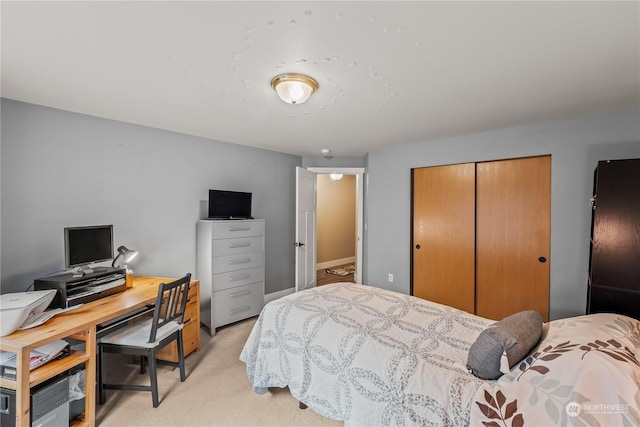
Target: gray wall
x,y
575,147
63,169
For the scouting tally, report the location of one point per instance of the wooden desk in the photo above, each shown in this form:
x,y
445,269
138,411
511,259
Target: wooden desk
x,y
79,324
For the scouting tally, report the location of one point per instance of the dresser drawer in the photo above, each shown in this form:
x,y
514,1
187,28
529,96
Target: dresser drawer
x,y
230,256
227,229
222,264
238,245
233,279
231,305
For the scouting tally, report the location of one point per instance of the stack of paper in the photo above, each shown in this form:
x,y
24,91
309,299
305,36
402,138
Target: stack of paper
x,y
38,357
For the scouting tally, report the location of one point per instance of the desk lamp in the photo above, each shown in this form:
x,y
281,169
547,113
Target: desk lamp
x,y
127,255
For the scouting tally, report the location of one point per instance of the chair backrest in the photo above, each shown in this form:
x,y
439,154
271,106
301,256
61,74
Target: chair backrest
x,y
170,304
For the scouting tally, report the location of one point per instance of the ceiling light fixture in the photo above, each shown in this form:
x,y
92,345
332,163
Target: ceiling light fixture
x,y
294,88
326,153
335,176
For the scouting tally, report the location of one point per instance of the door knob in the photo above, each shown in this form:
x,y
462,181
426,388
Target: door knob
x,y
542,259
417,246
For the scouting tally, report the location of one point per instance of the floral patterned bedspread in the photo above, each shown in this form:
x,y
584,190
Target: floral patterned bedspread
x,y
372,357
584,372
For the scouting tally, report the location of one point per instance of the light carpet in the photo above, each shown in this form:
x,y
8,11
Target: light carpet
x,y
216,392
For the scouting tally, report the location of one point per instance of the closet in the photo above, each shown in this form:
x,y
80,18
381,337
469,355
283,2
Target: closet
x,y
481,235
614,267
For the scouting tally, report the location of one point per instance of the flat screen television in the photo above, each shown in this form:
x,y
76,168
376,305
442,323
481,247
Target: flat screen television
x,y
86,245
229,204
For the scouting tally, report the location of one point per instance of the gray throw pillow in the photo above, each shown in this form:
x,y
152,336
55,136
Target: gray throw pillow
x,y
514,335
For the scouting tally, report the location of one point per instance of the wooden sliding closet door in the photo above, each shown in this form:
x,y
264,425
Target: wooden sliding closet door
x,y
443,234
513,228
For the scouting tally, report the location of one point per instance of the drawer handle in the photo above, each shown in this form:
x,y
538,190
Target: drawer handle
x,y
240,294
239,309
239,245
186,321
240,277
248,227
240,261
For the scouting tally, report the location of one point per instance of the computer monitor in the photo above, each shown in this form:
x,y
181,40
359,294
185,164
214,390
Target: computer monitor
x,y
86,245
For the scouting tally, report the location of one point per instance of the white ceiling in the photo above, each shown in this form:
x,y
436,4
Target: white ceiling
x,y
389,73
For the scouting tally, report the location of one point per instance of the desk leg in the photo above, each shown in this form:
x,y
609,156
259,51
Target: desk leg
x,y
90,387
23,398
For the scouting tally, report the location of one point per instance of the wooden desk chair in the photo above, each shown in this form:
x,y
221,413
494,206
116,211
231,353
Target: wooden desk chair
x,y
147,337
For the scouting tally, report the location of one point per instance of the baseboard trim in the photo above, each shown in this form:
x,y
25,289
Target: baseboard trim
x,y
276,295
334,262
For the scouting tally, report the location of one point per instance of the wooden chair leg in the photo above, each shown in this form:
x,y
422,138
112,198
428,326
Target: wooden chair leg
x,y
153,376
183,375
143,364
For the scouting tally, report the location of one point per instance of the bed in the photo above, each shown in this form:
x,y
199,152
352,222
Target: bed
x,y
369,356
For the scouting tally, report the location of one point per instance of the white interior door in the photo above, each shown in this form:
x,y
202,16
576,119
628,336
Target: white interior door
x,y
305,263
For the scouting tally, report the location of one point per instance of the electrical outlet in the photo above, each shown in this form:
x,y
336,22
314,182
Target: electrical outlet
x,y
390,278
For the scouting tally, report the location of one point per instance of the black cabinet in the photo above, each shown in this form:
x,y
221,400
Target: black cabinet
x,y
614,265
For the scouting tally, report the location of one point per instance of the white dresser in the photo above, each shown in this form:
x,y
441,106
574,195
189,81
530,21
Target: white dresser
x,y
230,267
